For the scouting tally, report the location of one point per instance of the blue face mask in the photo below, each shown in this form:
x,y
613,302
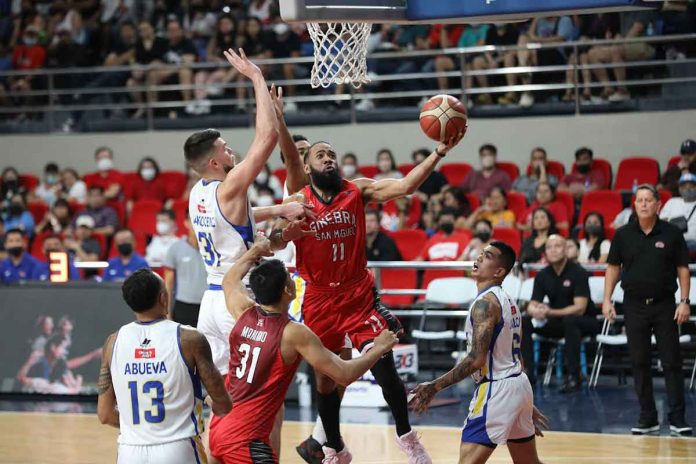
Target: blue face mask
x,y
51,179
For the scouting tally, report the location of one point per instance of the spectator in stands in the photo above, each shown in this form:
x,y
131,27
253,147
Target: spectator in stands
x,y
29,55
109,179
587,178
105,218
442,37
19,265
49,188
256,42
18,217
192,179
501,35
495,210
472,35
570,313
527,183
545,198
349,167
74,188
680,210
434,183
534,246
58,219
481,182
3,252
164,238
268,181
380,246
84,247
386,166
200,24
127,261
285,43
687,164
454,197
53,244
572,250
594,248
260,9
447,244
149,50
483,231
10,185
148,185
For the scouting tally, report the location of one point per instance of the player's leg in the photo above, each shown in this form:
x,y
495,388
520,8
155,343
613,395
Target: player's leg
x,y
277,430
474,453
523,452
520,437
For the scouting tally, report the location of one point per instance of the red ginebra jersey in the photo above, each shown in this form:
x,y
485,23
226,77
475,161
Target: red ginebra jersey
x,y
335,254
258,378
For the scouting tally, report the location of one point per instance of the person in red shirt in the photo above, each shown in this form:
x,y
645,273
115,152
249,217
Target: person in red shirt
x,y
546,198
265,350
148,185
586,179
106,177
27,55
448,244
444,36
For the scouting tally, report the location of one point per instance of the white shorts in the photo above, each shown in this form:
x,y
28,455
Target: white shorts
x,y
216,323
187,451
500,411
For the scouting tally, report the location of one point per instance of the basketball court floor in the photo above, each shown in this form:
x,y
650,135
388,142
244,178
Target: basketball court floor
x,y
586,428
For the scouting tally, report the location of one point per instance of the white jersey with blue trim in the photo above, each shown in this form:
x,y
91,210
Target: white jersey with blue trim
x,y
159,398
504,354
220,242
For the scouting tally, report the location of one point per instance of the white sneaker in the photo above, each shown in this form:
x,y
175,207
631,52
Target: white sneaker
x,y
291,107
365,105
203,106
526,100
192,108
332,457
411,445
619,97
214,90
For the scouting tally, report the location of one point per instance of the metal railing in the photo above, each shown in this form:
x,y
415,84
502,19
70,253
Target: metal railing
x,y
55,98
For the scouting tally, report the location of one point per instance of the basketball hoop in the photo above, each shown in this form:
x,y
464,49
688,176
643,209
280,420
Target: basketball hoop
x,y
340,53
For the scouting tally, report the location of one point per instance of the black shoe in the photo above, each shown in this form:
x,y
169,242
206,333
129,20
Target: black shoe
x,y
645,427
571,385
310,450
679,428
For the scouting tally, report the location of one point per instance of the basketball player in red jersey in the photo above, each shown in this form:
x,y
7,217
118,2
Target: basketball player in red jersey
x,y
341,297
265,351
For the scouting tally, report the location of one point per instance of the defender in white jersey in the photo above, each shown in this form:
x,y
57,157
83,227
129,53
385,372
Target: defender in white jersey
x,y
150,381
502,410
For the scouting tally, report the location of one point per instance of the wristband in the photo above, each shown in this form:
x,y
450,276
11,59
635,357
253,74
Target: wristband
x,y
685,301
441,155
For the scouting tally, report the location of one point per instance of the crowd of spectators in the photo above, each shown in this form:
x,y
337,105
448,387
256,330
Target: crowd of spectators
x,y
79,33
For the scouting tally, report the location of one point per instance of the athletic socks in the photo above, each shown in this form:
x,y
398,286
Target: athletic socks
x,y
329,406
318,433
393,391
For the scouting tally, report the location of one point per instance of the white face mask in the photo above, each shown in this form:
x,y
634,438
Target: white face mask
x,y
265,200
148,173
105,164
349,170
163,228
262,178
488,161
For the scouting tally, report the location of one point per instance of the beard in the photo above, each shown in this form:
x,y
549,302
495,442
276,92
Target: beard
x,y
329,182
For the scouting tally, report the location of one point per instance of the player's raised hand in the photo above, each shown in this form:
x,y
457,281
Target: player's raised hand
x,y
421,396
241,63
450,143
541,422
277,97
385,341
294,231
262,246
296,211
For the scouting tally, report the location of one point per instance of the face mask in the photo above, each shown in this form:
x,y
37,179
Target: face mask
x,y
105,164
11,185
281,28
688,195
385,166
163,228
488,161
30,41
15,209
147,173
15,251
447,228
265,200
125,249
262,178
349,170
51,179
483,236
583,168
593,230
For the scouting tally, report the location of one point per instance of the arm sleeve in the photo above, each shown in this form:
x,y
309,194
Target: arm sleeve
x,y
615,257
681,252
170,257
604,247
538,293
582,286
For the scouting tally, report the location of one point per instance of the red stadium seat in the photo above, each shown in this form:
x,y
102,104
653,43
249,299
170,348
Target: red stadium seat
x,y
174,183
406,168
455,172
37,245
474,201
604,166
143,217
180,207
120,210
29,181
636,169
664,196
414,212
101,239
281,174
398,279
38,210
517,203
410,242
673,161
608,203
369,171
567,199
510,236
129,177
555,168
511,168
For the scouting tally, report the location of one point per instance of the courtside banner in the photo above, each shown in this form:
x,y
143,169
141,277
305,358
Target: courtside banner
x,y
51,335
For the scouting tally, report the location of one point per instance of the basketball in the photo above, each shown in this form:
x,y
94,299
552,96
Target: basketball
x,y
442,117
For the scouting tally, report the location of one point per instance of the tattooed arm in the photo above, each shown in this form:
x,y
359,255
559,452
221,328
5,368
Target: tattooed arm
x,y
106,403
485,314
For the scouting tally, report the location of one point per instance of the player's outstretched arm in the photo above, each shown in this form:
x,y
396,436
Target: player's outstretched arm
x,y
197,350
290,210
485,314
289,228
236,295
241,177
308,345
296,178
390,189
106,403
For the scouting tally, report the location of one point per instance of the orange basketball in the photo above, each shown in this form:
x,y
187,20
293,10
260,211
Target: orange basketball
x,y
442,117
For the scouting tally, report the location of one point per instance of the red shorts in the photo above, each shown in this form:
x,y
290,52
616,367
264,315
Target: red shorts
x,y
354,310
227,446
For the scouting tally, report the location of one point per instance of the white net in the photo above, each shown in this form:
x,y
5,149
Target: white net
x,y
340,51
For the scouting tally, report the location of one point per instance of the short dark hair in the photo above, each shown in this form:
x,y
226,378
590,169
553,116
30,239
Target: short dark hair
x,y
169,213
488,147
651,188
421,151
14,231
51,167
507,255
306,155
299,138
582,151
199,145
351,156
101,149
141,290
485,221
54,340
373,212
97,187
268,281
